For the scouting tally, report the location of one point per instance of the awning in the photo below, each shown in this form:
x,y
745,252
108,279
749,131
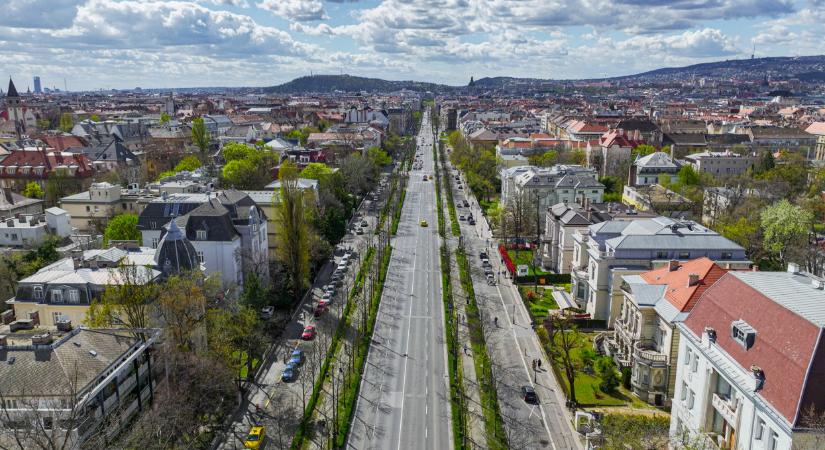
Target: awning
x,y
564,300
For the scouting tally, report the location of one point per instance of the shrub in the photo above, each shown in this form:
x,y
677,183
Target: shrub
x,y
531,296
606,369
626,373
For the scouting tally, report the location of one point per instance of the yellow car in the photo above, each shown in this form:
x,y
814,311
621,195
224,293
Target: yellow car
x,y
255,437
423,223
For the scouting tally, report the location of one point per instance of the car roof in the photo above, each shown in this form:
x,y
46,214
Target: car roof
x,y
256,430
297,351
528,388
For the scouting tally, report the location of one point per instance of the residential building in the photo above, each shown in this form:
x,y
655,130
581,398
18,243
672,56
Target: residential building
x,y
608,250
775,137
646,170
818,129
39,165
644,336
612,150
31,230
721,164
227,229
62,292
91,382
545,187
12,204
91,210
751,362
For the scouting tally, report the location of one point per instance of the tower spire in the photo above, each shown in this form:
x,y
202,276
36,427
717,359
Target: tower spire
x,y
12,91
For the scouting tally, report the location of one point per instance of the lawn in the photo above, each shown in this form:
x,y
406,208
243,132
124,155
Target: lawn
x,y
525,257
487,205
587,384
241,359
538,304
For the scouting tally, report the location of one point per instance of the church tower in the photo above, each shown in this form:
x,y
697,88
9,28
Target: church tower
x,y
15,110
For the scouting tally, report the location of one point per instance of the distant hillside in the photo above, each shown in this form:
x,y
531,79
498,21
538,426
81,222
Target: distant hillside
x,y
349,83
783,67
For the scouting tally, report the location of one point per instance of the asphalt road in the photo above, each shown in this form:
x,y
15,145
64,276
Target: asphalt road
x,y
404,400
513,345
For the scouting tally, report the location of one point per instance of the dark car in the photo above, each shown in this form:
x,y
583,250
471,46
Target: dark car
x,y
529,394
466,203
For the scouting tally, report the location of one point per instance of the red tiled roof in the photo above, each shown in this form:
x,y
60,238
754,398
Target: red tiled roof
x,y
678,293
784,347
48,160
62,142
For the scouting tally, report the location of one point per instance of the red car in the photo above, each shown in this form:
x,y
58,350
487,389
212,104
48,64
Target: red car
x,y
320,309
309,333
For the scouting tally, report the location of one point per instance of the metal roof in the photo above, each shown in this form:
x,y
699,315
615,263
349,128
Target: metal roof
x,y
793,291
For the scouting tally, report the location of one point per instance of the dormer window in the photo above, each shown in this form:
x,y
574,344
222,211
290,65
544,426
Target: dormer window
x,y
57,296
200,235
742,333
38,292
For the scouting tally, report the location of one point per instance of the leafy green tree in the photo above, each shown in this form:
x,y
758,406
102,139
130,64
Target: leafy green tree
x,y
292,230
61,183
766,162
546,159
127,304
785,228
642,150
122,227
44,124
188,163
688,176
66,122
239,173
164,118
200,136
168,173
94,118
379,157
315,171
33,190
607,371
234,151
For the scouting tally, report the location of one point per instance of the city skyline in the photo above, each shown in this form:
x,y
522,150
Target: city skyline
x,y
97,44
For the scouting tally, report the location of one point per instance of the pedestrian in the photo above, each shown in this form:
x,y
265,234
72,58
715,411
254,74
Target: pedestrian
x,y
539,360
465,348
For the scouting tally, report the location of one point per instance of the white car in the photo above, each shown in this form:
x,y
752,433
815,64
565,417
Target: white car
x,y
267,312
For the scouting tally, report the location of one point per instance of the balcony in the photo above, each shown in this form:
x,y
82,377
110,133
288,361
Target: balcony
x,y
645,353
727,408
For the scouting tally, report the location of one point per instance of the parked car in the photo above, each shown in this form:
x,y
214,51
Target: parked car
x,y
309,333
329,288
471,221
466,204
491,280
424,223
359,231
461,217
364,223
327,296
267,312
320,309
529,394
288,374
296,358
255,437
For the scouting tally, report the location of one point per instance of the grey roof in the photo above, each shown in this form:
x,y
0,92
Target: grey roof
x,y
645,294
661,233
175,253
791,291
52,371
657,160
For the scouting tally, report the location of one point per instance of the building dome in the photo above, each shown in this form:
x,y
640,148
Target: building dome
x,y
175,254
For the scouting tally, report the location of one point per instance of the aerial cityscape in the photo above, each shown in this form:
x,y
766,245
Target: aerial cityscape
x,y
423,224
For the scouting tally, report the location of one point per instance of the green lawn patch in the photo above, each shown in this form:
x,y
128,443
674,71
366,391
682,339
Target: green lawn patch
x,y
538,302
525,257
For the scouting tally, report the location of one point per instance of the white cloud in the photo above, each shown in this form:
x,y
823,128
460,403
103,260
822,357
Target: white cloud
x,y
38,13
297,10
704,43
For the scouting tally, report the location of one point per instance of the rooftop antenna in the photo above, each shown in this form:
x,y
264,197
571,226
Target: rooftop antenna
x,y
753,53
65,85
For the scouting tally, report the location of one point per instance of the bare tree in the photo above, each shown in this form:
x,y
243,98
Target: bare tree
x,y
565,339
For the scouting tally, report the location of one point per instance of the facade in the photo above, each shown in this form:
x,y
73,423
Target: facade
x,y
656,198
818,129
751,362
12,204
644,336
39,165
721,164
227,229
612,150
79,379
608,250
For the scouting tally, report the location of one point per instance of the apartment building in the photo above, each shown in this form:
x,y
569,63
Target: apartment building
x,y
91,210
751,363
721,164
31,230
80,380
606,251
644,336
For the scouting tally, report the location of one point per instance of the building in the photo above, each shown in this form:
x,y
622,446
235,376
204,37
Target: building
x,y
752,361
721,164
646,170
31,230
564,219
545,187
644,336
608,250
776,137
80,380
818,129
23,166
227,230
12,204
37,88
15,112
91,210
612,150
717,201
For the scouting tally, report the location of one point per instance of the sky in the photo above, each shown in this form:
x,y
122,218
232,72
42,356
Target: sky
x,y
104,44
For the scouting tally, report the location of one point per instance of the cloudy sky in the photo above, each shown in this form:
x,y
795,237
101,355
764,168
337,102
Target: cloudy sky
x,y
123,44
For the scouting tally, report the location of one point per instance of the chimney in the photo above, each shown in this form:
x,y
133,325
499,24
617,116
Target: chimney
x,y
672,152
755,268
672,265
42,339
693,279
793,268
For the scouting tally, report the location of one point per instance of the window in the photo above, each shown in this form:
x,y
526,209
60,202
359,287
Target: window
x,y
742,333
57,296
200,257
691,397
684,255
124,205
688,356
88,208
760,429
684,391
661,254
201,235
773,440
694,363
58,317
74,296
723,388
38,292
154,242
